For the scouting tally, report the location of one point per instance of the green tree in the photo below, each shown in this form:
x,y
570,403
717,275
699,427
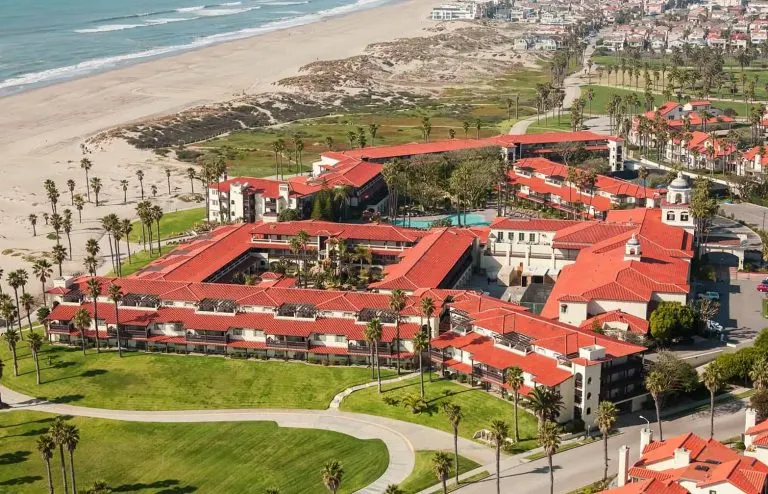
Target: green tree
x,y
33,222
94,290
712,377
515,379
605,420
35,344
393,489
549,440
58,433
545,403
759,403
670,320
373,334
454,415
668,375
116,295
499,432
46,447
86,165
43,270
396,304
82,320
332,474
70,436
27,301
420,344
96,187
759,373
11,336
441,465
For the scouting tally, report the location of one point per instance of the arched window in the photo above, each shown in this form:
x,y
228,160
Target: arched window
x,y
670,216
678,198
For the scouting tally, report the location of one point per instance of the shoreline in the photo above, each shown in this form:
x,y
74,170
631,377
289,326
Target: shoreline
x,y
44,127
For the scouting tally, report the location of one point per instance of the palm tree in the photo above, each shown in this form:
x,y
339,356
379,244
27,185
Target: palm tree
x,y
59,255
515,380
66,225
272,490
96,186
15,280
71,188
12,337
168,179
656,384
713,379
82,320
373,332
46,446
420,344
332,474
759,374
94,290
56,431
465,125
427,309
70,436
153,190
373,129
79,205
1,376
27,301
393,489
441,465
396,304
454,415
329,143
86,165
127,227
605,419
156,215
478,126
124,186
43,270
545,403
115,295
549,440
499,431
35,344
33,222
140,176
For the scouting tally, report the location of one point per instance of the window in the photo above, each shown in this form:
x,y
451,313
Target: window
x,y
339,338
501,237
684,216
521,237
531,237
589,411
589,380
232,202
563,308
670,216
589,395
238,332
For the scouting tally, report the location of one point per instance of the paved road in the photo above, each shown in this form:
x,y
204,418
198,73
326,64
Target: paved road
x,y
581,466
401,438
751,213
572,86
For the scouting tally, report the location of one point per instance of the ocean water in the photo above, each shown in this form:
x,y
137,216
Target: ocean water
x,y
47,41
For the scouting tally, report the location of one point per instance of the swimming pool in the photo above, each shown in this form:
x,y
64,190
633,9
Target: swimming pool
x,y
468,219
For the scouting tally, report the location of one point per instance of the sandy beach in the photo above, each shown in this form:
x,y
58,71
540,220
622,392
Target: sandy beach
x,y
43,128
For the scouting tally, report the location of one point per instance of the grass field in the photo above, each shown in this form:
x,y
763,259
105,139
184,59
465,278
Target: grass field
x,y
551,125
172,224
478,407
423,477
145,381
185,458
141,259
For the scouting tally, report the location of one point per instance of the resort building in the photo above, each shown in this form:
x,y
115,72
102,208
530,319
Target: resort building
x,y
688,464
753,163
680,117
700,150
488,336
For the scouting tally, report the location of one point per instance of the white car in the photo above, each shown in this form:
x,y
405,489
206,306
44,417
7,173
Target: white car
x,y
714,326
710,295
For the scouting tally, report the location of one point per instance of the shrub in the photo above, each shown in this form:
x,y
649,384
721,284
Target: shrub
x,y
414,402
188,155
390,400
461,378
759,402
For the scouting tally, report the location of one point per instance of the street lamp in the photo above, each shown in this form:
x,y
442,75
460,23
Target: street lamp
x,y
646,420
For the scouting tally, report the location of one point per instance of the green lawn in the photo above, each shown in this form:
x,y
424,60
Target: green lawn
x,y
551,125
423,477
478,406
604,94
172,224
185,458
145,381
142,258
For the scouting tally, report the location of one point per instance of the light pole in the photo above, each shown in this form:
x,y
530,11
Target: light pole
x,y
646,421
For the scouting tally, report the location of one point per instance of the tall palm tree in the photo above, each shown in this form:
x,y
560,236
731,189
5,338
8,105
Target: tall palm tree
x,y
71,188
124,186
549,440
33,222
15,280
427,309
79,205
454,415
713,379
332,474
396,304
42,270
66,225
59,255
94,290
499,433
28,301
12,337
441,465
35,344
545,403
420,344
86,165
82,320
515,380
656,384
157,215
140,176
373,329
56,431
1,376
168,179
127,227
46,446
605,419
115,295
96,186
71,437
191,175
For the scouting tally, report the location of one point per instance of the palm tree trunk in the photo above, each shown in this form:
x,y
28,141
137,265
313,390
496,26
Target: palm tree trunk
x,y
15,362
397,342
158,237
373,365
111,252
128,246
72,470
96,326
551,476
50,480
16,294
37,366
378,366
711,414
445,487
82,339
658,417
517,429
117,327
63,468
498,468
456,452
421,374
605,455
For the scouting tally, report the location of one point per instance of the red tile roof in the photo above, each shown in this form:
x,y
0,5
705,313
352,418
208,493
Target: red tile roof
x,y
648,486
544,225
351,231
634,324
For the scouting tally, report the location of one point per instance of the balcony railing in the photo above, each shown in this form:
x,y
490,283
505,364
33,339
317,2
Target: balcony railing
x,y
492,375
359,348
289,345
126,332
59,328
202,338
437,355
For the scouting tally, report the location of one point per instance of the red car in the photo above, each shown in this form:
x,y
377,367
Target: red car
x,y
762,287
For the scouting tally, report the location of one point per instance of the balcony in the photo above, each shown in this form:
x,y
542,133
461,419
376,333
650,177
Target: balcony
x,y
287,345
203,338
128,332
359,348
489,374
437,355
59,328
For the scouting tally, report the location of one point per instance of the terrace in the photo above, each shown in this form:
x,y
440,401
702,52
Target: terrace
x,y
284,343
206,337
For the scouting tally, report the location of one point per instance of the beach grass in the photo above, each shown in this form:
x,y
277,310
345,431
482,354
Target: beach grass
x,y
197,457
424,477
479,407
146,381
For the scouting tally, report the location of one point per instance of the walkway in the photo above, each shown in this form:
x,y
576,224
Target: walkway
x,y
572,85
401,438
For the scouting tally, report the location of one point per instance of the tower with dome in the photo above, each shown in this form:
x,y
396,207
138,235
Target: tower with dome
x,y
676,206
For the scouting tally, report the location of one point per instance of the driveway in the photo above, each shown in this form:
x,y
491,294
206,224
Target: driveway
x,y
752,214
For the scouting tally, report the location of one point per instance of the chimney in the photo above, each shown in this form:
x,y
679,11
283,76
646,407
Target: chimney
x,y
682,457
751,419
623,465
646,437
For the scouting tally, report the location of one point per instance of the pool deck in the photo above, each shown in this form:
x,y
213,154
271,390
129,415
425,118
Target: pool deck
x,y
488,215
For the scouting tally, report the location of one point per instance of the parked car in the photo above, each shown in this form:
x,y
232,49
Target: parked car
x,y
714,326
710,295
762,287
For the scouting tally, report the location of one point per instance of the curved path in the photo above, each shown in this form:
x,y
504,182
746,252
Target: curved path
x,y
401,438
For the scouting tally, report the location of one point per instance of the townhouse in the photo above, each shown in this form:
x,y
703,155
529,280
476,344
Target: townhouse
x,y
487,337
703,151
688,463
753,163
542,181
691,116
